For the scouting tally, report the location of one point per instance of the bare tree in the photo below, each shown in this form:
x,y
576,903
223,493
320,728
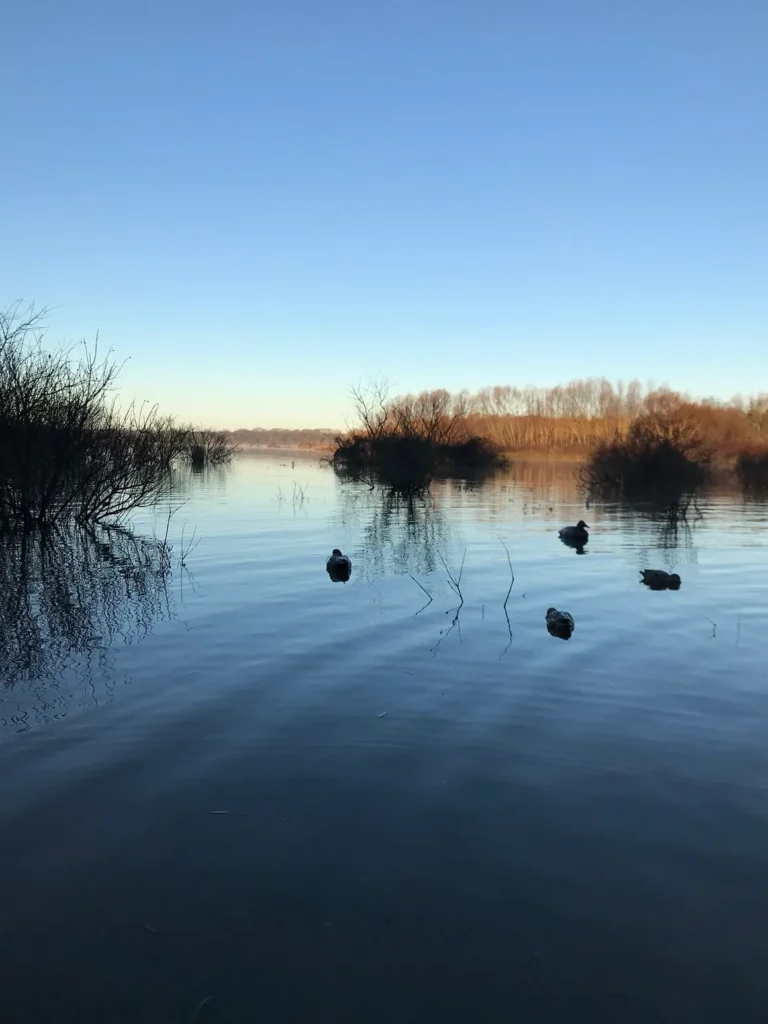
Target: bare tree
x,y
371,404
66,450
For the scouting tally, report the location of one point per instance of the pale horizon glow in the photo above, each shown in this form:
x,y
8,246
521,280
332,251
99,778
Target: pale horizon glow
x,y
260,205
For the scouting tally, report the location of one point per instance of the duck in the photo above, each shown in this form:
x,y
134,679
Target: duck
x,y
560,624
339,567
575,534
658,579
338,561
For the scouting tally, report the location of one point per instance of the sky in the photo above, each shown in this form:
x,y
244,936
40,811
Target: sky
x,y
259,204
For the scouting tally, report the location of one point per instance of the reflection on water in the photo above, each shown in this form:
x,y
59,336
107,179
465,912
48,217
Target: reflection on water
x,y
66,598
403,531
400,799
579,546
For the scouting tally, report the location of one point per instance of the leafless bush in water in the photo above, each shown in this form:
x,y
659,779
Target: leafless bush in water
x,y
67,451
405,442
201,447
752,470
662,457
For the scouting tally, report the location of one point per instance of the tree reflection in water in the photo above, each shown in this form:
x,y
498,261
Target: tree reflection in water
x,y
403,529
674,529
65,598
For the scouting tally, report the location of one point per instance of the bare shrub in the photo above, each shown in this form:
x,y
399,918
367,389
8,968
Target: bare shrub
x,y
406,441
66,450
201,447
752,470
661,457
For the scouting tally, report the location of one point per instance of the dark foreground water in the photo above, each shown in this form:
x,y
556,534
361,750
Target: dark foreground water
x,y
319,802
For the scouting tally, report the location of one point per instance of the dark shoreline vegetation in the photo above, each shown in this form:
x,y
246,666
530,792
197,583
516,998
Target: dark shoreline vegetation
x,y
68,452
661,458
565,421
406,442
752,471
410,461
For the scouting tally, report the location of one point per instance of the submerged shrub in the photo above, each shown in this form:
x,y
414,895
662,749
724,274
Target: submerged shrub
x,y
408,461
752,470
661,457
203,447
67,452
406,442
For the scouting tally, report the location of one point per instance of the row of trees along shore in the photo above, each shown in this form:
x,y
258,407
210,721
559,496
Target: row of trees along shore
x,y
569,418
631,436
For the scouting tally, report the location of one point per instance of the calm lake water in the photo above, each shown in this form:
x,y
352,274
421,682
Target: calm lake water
x,y
319,802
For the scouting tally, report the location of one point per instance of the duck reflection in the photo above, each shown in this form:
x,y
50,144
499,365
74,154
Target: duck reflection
x,y
674,525
577,545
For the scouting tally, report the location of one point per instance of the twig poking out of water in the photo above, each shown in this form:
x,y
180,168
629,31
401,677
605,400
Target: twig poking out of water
x,y
455,581
166,549
429,596
189,547
445,632
202,1005
280,495
171,513
299,493
506,613
714,626
512,572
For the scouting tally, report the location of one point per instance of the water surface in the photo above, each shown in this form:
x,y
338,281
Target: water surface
x,y
343,802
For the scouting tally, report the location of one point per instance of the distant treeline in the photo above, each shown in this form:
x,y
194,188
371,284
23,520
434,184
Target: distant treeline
x,y
568,419
281,437
573,417
635,440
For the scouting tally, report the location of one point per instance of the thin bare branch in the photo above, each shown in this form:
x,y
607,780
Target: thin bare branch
x,y
429,596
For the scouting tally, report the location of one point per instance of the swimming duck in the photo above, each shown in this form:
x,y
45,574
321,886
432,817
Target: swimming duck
x,y
339,567
657,579
560,624
575,534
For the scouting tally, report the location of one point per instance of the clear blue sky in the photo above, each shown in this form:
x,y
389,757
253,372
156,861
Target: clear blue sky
x,y
262,202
